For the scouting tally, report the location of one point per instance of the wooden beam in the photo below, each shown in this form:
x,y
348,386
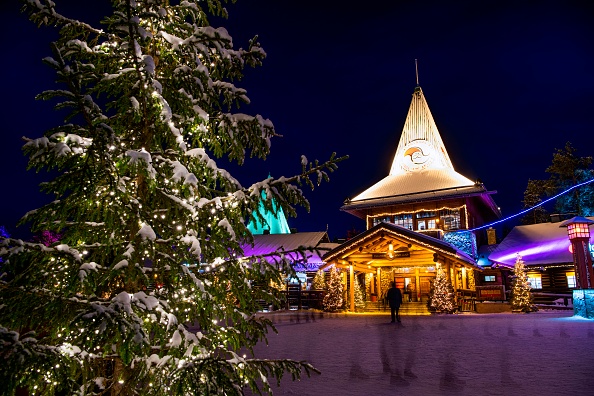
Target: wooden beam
x,y
352,291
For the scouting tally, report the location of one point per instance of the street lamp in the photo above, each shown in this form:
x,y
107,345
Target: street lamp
x,y
583,296
579,234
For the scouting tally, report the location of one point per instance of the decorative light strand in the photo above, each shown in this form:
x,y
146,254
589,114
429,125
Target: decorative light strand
x,y
531,208
425,210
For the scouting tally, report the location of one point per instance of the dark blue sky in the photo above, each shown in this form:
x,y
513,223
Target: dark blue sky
x,y
507,83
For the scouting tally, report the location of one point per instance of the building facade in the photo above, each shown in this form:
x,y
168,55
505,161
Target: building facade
x,y
420,216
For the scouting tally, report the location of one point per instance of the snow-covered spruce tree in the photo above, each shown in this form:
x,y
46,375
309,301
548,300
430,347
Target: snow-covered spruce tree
x,y
359,296
333,300
441,294
140,201
319,281
521,294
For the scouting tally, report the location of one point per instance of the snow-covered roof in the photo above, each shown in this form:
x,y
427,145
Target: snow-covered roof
x,y
421,168
433,182
538,244
269,243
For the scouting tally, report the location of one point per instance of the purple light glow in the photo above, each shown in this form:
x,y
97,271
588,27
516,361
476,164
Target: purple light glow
x,y
538,244
540,252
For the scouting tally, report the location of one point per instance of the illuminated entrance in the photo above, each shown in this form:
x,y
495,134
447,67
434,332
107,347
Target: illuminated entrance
x,y
387,252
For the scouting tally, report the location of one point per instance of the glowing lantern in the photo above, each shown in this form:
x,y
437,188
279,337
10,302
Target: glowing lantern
x,y
579,235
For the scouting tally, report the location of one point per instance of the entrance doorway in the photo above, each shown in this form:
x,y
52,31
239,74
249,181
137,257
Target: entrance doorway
x,y
407,287
425,286
410,290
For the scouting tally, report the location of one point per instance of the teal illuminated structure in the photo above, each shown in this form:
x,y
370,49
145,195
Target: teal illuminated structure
x,y
275,222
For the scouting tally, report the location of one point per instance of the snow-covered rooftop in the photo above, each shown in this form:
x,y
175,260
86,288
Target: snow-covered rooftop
x,y
537,244
269,243
421,164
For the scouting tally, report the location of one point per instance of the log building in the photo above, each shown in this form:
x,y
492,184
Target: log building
x,y
421,215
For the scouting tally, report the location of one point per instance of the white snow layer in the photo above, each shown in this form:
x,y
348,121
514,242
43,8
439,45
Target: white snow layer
x,y
147,232
141,156
85,268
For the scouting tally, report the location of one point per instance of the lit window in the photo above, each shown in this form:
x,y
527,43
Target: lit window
x,y
535,281
489,278
571,279
450,218
431,224
404,220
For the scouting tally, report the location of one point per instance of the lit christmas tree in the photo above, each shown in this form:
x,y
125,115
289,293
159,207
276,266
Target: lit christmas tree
x,y
359,296
319,281
333,299
147,292
441,295
521,295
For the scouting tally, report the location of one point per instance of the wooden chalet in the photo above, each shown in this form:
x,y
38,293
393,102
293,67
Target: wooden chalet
x,y
546,252
422,208
388,252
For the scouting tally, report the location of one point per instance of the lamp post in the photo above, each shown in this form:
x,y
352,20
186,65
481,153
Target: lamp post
x,y
579,234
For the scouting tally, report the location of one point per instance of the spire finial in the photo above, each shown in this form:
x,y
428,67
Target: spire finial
x,y
417,72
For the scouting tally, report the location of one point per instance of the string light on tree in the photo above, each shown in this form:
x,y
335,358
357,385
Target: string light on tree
x,y
521,294
163,226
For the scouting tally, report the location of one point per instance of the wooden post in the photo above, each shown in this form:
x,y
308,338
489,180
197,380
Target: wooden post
x,y
352,281
379,284
418,284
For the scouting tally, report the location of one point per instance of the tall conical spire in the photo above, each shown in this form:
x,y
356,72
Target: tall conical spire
x,y
420,145
275,222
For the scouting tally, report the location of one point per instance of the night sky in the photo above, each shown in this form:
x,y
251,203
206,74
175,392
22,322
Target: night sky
x,y
507,84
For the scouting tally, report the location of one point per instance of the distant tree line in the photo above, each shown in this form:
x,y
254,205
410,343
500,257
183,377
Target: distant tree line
x,y
566,170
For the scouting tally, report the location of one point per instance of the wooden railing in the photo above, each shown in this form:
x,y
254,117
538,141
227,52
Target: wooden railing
x,y
303,299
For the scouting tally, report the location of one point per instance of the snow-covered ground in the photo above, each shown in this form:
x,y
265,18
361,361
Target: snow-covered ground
x,y
543,353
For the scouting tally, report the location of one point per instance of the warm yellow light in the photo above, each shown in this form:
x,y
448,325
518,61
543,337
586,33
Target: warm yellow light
x,y
578,230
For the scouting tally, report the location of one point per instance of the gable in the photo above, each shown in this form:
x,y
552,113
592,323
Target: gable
x,y
371,249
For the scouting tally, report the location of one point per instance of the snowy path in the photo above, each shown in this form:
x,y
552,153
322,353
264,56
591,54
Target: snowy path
x,y
543,353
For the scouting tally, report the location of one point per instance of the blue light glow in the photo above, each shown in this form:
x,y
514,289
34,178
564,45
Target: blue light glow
x,y
529,209
583,303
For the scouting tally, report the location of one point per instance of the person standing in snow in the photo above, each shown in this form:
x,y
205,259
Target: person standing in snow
x,y
394,298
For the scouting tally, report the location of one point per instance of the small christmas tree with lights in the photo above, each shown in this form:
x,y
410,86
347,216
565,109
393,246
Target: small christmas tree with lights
x,y
333,300
319,281
441,295
359,296
471,280
148,291
521,294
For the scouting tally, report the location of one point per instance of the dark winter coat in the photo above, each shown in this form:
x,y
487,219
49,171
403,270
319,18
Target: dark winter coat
x,y
394,297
